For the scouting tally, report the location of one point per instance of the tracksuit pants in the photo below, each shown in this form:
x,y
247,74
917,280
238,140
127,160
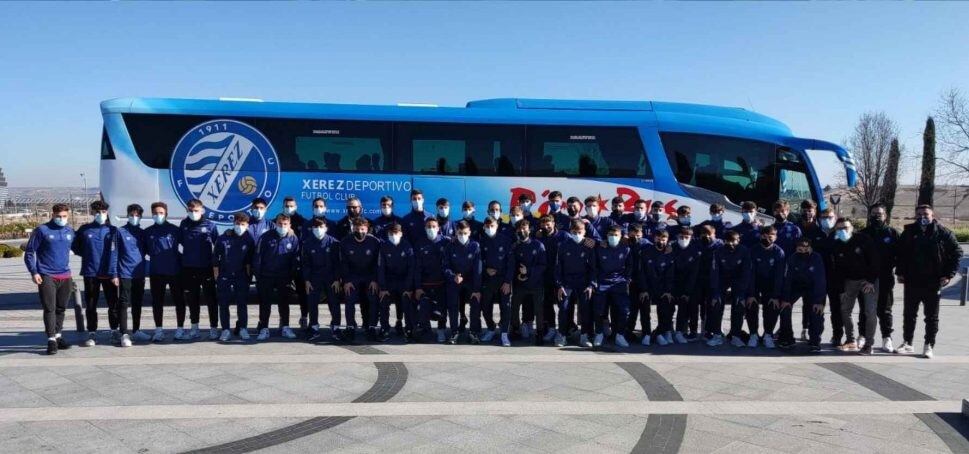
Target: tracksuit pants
x,y
273,290
368,303
158,284
457,296
576,297
536,295
665,308
131,294
92,293
322,289
815,320
407,311
491,292
198,285
638,309
928,297
54,294
233,290
614,296
432,305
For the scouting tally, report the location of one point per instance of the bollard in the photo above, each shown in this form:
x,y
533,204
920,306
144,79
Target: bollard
x,y
965,286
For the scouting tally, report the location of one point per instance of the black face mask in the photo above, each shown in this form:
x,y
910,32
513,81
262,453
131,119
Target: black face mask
x,y
765,242
522,236
779,218
707,240
731,246
359,235
876,222
572,212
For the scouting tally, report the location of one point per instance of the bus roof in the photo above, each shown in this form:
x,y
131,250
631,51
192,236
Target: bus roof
x,y
668,116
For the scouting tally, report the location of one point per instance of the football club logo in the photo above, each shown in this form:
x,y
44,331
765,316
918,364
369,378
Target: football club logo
x,y
225,164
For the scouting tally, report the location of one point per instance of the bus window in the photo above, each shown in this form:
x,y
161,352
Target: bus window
x,y
107,151
586,152
739,169
459,149
794,186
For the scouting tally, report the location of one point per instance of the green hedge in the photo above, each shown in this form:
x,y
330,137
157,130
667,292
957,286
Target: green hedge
x,y
962,234
11,253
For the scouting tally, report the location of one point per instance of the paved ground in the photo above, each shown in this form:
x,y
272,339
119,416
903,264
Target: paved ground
x,y
286,396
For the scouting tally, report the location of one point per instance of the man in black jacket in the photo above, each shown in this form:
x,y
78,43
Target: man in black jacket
x,y
885,239
855,262
928,257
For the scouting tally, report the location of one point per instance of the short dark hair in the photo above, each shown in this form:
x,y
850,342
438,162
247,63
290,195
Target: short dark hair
x,y
781,204
467,204
767,229
318,222
709,230
259,200
521,223
805,204
430,220
638,228
194,203
640,202
731,235
161,205
59,208
360,221
843,219
523,196
614,229
803,240
416,191
490,220
240,217
135,207
462,225
684,209
353,198
748,205
617,199
826,211
685,231
281,217
288,198
387,198
98,205
572,200
319,199
576,223
555,194
656,204
546,218
716,207
442,201
924,206
661,233
394,227
592,199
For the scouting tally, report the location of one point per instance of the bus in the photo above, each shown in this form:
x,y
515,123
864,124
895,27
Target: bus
x,y
227,152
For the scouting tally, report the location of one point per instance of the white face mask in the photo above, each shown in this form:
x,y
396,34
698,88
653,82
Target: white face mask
x,y
577,237
640,214
288,211
134,220
195,215
387,211
716,217
100,218
515,218
443,212
749,216
491,231
827,223
468,214
683,242
319,211
394,239
592,211
431,233
282,231
158,218
257,213
613,240
319,232
463,238
417,204
61,222
238,229
526,206
496,214
684,220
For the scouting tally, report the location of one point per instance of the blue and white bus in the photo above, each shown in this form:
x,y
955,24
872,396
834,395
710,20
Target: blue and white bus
x,y
227,152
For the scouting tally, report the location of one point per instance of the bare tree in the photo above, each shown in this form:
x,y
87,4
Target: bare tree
x,y
871,144
953,131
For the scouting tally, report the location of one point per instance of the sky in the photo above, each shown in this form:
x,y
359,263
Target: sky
x,y
815,66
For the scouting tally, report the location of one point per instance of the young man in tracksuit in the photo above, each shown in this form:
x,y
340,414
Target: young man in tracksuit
x,y
258,222
94,243
232,268
575,210
823,244
414,221
575,273
467,215
47,257
530,262
360,253
395,277
164,263
443,215
716,221
429,278
639,216
613,275
599,223
320,266
804,278
131,247
768,261
319,212
655,220
855,263
639,308
198,237
561,216
551,238
296,221
787,231
387,218
749,227
729,283
275,262
886,242
656,285
686,266
618,213
701,295
498,265
810,229
462,272
928,259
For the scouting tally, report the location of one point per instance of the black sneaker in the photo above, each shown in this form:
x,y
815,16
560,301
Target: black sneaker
x,y
372,334
51,347
815,349
474,339
313,334
349,334
399,328
337,333
453,339
62,344
384,335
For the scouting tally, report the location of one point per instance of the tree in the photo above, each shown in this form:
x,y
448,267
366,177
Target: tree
x,y
953,134
870,143
891,176
927,182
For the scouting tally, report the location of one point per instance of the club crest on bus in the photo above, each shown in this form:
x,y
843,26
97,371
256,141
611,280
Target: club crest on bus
x,y
225,164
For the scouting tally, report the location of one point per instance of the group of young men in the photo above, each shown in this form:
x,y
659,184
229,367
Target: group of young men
x,y
572,273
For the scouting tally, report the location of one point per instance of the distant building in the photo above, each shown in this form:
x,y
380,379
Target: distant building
x,y
4,193
950,203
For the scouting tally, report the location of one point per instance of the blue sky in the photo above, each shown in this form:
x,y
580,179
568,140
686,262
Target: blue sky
x,y
815,66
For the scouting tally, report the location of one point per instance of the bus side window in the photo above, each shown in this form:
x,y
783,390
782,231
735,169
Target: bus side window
x,y
740,169
459,149
583,151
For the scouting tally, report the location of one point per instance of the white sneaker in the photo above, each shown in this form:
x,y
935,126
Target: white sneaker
x,y
180,334
927,353
526,330
768,341
159,335
194,332
550,335
441,335
905,348
715,341
288,333
213,333
598,340
887,345
226,335
505,341
661,340
679,338
91,340
804,335
861,342
488,336
263,334
645,341
584,341
559,340
621,341
125,340
244,334
736,341
752,343
141,336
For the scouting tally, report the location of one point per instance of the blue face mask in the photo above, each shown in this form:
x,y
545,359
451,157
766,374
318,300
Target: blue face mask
x,y
613,240
842,235
158,218
134,220
100,218
238,229
554,207
282,230
924,221
319,211
61,222
257,212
